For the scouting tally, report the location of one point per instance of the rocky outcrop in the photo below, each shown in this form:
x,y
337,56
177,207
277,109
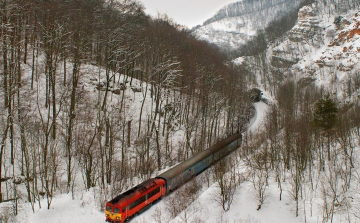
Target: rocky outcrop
x,y
343,52
303,37
307,27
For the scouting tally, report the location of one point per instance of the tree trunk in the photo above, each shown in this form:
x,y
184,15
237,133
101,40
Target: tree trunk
x,y
72,114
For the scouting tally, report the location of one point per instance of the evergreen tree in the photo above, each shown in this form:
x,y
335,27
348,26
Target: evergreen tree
x,y
325,118
325,114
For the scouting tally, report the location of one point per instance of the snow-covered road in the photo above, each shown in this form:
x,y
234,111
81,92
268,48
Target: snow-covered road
x,y
261,110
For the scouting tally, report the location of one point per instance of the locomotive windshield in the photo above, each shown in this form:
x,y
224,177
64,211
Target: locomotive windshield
x,y
108,208
116,210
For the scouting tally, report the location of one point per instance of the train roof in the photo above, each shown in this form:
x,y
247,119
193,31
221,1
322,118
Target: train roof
x,y
173,172
137,190
222,143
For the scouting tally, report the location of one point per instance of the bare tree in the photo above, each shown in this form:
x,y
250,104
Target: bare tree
x,y
228,180
178,202
259,168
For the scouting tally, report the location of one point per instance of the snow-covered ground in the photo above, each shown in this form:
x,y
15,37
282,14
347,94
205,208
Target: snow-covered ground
x,y
256,122
64,209
82,207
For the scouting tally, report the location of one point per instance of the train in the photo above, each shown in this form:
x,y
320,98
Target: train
x,y
142,196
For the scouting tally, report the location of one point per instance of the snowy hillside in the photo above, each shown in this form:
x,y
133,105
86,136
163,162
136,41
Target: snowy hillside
x,y
321,47
239,22
203,205
316,60
94,107
96,97
84,206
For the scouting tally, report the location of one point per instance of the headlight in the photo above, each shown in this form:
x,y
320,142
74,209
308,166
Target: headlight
x,y
117,218
106,215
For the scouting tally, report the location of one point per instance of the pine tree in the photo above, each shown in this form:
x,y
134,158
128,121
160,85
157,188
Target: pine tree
x,y
325,118
325,114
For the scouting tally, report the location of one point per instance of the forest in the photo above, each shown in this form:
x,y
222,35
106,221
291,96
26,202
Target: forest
x,y
59,132
95,94
309,146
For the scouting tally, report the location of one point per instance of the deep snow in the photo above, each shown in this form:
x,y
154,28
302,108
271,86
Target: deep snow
x,y
83,207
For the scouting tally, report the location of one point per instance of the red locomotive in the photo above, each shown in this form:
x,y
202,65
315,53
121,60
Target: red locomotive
x,y
134,200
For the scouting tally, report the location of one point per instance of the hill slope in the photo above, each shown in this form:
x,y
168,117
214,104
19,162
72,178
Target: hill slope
x,y
239,22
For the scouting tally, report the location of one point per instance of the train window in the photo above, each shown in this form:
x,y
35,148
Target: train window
x,y
124,208
137,202
188,173
142,199
116,210
132,205
108,208
152,193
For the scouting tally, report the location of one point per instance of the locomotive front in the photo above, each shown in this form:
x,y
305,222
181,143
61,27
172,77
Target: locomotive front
x,y
113,213
133,201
